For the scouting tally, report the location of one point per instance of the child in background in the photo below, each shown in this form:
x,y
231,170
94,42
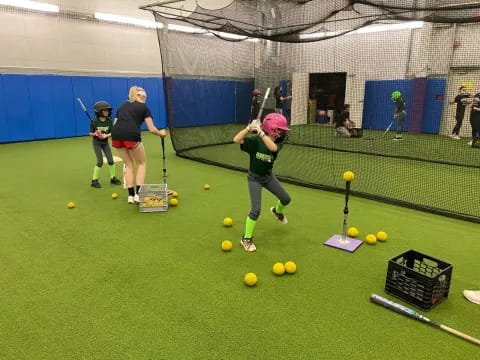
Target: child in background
x,y
100,129
461,102
400,113
263,148
255,108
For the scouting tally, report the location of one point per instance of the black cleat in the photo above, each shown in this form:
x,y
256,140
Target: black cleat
x,y
115,181
95,184
282,219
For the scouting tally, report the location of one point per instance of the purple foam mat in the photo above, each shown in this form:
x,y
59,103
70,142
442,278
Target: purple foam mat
x,y
349,244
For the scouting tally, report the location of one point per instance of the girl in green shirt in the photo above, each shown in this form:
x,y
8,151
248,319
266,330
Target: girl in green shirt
x,y
263,148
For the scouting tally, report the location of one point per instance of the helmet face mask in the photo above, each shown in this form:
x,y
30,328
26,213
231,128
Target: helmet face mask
x,y
282,137
275,125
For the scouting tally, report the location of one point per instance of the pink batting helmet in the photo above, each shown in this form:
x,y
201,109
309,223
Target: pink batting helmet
x,y
274,123
256,92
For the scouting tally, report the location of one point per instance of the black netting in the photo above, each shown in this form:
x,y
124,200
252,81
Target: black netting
x,y
212,60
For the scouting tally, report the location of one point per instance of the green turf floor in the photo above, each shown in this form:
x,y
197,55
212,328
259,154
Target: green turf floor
x,y
102,281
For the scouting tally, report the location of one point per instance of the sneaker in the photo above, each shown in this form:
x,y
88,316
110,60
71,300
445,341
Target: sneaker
x,y
115,181
470,143
136,198
131,199
456,137
280,217
248,244
473,296
95,184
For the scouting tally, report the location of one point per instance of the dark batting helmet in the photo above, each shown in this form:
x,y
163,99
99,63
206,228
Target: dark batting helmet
x,y
102,105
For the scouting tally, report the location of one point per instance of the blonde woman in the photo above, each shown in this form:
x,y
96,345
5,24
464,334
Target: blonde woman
x,y
126,138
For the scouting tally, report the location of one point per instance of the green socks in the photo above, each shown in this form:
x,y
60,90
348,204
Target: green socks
x,y
249,226
279,207
112,170
96,172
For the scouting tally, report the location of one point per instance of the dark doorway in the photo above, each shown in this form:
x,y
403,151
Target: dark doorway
x,y
328,91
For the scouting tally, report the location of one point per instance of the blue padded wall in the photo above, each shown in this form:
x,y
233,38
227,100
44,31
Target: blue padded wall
x,y
433,108
378,106
17,106
41,102
119,88
209,102
45,106
4,132
65,106
83,88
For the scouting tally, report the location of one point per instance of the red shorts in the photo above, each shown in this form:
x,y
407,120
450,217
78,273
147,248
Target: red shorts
x,y
125,144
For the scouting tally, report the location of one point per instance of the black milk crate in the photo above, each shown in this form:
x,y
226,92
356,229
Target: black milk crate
x,y
418,279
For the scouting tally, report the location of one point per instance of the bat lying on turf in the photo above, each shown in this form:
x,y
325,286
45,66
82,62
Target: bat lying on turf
x,y
377,299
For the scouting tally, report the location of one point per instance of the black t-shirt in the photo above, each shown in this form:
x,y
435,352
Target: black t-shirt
x,y
130,116
475,115
400,104
255,107
278,100
461,101
341,118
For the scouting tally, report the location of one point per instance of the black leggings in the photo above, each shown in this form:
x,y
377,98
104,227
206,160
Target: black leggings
x,y
475,122
458,125
98,146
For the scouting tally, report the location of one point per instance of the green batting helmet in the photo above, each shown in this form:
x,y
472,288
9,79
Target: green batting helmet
x,y
396,95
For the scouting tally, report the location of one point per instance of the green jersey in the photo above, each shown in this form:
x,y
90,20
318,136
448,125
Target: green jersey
x,y
261,159
104,126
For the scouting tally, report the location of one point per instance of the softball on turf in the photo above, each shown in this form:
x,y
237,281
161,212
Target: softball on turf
x,y
175,194
227,222
114,196
206,187
371,239
290,267
348,176
71,205
173,202
226,245
352,232
382,236
250,279
278,269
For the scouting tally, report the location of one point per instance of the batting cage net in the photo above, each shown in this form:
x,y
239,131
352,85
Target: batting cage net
x,y
387,89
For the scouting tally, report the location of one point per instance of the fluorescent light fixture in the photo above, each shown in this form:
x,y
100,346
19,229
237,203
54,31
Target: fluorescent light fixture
x,y
366,29
32,5
185,29
125,20
389,27
319,35
153,25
